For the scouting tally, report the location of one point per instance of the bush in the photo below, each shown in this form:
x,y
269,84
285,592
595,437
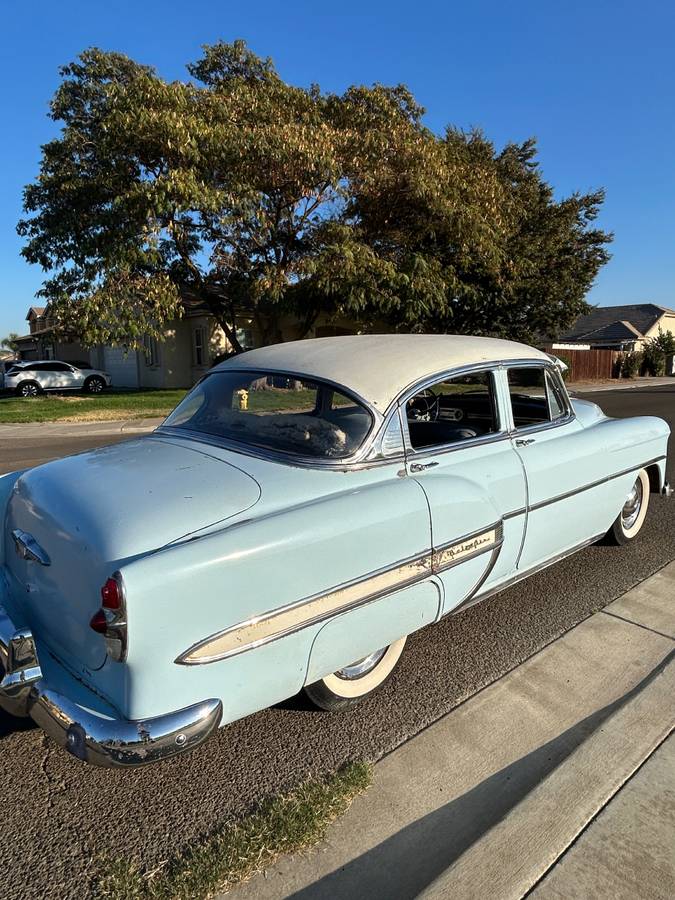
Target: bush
x,y
630,364
653,361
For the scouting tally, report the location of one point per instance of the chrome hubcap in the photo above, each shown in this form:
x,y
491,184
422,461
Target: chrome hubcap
x,y
632,506
362,666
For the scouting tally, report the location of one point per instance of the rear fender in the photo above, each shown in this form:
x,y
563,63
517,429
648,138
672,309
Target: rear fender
x,y
341,549
7,483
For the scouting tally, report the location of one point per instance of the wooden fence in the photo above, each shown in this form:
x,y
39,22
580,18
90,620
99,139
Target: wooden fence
x,y
589,365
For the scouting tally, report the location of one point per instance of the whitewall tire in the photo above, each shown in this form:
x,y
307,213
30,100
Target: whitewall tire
x,y
348,686
630,520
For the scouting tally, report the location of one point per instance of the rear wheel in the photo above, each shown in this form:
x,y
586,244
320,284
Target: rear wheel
x,y
94,385
630,520
346,687
28,389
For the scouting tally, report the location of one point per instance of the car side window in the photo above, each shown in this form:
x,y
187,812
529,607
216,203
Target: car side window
x,y
60,367
536,398
453,410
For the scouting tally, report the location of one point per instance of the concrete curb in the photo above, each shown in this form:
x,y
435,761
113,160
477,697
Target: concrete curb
x,y
49,430
486,801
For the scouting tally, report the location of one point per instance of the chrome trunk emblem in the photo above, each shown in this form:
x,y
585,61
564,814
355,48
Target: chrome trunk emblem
x,y
28,548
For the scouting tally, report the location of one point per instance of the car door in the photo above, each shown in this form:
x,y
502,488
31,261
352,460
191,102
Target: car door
x,y
566,507
44,374
460,451
69,377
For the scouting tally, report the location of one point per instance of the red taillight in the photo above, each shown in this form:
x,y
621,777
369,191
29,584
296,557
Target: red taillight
x,y
99,622
110,620
111,595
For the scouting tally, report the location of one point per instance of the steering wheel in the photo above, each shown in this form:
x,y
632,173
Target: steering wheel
x,y
425,406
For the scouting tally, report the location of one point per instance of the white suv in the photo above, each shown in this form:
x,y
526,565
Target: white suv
x,y
28,379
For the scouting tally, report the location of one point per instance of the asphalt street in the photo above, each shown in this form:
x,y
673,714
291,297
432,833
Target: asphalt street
x,y
59,817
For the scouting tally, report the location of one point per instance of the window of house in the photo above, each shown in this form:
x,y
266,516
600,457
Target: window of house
x,y
453,410
536,396
199,346
151,351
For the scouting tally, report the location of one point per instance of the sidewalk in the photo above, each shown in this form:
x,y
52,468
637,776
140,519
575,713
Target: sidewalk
x,y
558,779
619,384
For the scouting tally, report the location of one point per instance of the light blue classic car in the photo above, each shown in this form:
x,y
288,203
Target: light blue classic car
x,y
303,510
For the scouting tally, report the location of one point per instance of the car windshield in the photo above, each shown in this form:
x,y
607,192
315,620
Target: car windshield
x,y
277,411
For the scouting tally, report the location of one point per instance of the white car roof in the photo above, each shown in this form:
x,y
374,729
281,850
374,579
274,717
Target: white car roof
x,y
378,367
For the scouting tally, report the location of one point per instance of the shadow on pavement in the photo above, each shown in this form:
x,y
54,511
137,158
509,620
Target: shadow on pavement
x,y
413,858
10,724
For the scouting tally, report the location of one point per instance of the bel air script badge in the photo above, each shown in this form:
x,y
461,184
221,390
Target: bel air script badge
x,y
28,548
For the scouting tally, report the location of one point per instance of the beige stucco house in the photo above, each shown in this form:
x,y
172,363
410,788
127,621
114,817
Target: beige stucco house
x,y
617,327
187,351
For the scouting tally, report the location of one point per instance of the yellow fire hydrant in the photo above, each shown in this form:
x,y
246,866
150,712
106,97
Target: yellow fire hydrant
x,y
243,399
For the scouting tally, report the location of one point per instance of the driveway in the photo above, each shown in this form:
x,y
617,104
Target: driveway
x,y
58,816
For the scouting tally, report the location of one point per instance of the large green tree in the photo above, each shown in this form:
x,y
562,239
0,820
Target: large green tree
x,y
262,196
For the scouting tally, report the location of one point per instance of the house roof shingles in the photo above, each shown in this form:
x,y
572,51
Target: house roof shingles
x,y
639,316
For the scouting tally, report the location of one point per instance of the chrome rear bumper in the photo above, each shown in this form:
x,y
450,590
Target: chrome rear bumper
x,y
97,739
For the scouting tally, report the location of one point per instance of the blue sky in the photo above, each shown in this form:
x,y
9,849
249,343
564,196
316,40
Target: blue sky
x,y
594,81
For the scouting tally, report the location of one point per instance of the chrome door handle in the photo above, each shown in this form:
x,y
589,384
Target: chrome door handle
x,y
524,442
420,467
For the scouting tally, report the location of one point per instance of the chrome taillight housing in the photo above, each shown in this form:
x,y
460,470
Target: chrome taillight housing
x,y
111,619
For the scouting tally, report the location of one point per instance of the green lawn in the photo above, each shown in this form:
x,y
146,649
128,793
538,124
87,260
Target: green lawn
x,y
81,408
113,405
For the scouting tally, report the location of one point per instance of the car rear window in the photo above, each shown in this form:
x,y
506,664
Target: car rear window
x,y
276,411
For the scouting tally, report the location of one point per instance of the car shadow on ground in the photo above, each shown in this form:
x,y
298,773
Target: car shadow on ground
x,y
10,724
412,859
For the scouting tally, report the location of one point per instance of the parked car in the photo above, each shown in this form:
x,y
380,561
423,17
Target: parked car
x,y
5,365
302,511
30,378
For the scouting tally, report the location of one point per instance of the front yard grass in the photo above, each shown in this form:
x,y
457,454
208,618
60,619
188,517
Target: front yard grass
x,y
112,405
240,849
108,406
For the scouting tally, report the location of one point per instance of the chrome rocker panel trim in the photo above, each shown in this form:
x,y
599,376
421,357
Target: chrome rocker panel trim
x,y
99,740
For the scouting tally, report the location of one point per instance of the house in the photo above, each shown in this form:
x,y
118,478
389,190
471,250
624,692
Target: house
x,y
617,327
188,349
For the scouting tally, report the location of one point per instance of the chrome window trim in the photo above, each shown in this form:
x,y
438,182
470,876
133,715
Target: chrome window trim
x,y
262,452
369,454
427,382
554,372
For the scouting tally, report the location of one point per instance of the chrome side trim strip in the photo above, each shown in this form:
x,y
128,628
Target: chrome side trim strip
x,y
510,582
514,512
281,622
449,555
593,484
268,627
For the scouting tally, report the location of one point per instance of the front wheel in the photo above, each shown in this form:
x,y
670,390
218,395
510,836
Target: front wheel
x,y
28,389
630,520
94,385
348,686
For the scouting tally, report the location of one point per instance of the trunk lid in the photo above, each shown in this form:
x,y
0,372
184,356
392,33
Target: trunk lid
x,y
91,512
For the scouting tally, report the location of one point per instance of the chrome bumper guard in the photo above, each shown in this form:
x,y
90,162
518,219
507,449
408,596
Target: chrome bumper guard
x,y
95,739
666,490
